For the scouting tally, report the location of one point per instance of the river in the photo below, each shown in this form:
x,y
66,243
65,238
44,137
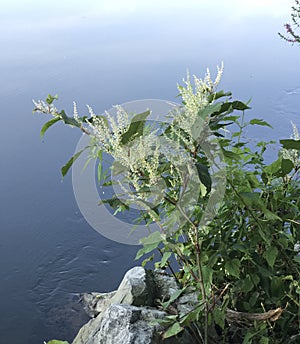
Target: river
x,y
104,53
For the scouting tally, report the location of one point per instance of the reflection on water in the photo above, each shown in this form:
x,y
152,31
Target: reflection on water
x,y
105,56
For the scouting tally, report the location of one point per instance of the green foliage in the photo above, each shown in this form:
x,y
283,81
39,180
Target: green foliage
x,y
244,258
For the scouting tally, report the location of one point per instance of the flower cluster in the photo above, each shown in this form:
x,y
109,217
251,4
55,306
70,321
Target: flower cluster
x,y
195,98
41,106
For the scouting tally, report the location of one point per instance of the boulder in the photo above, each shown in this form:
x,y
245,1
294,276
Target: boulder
x,y
127,315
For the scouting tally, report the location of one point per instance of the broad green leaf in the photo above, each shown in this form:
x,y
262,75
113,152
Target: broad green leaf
x,y
67,166
47,125
146,249
155,237
261,122
217,95
233,267
252,199
231,118
208,110
55,341
165,258
69,120
191,316
247,284
252,179
274,167
270,255
173,330
230,155
279,168
286,166
136,127
237,105
201,119
219,317
290,144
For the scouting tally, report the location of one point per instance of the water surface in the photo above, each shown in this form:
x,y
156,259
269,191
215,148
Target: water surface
x,y
105,53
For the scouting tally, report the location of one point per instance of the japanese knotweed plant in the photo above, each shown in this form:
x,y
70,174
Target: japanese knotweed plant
x,y
240,258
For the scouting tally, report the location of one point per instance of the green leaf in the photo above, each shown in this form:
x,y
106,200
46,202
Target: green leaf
x,y
155,237
150,243
173,297
47,125
136,127
217,95
68,120
273,168
247,284
252,199
200,121
233,267
297,258
270,255
67,166
51,98
208,110
261,122
165,258
238,105
173,330
279,168
55,341
219,317
270,215
290,144
264,340
146,249
286,166
230,155
189,317
207,276
204,176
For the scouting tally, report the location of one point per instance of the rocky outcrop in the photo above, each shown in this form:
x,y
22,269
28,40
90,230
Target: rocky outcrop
x,y
127,315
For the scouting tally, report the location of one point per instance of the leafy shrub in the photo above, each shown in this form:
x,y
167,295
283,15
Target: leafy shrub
x,y
228,222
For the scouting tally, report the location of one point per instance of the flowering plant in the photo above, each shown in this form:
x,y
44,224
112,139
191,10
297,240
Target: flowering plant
x,y
227,222
293,37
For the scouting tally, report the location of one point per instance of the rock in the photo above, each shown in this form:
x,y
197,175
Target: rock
x,y
137,288
126,316
126,324
95,303
187,302
165,284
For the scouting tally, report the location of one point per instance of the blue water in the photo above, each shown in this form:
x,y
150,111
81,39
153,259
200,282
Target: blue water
x,y
104,53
